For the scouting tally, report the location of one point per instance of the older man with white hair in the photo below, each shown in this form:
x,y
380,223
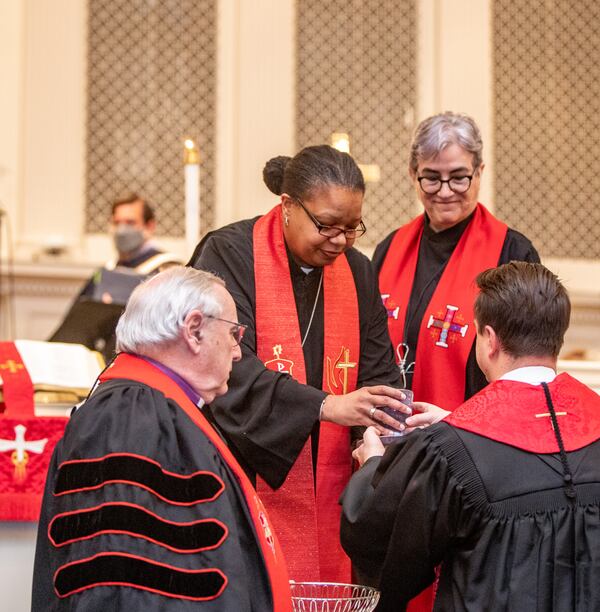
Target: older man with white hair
x,y
145,508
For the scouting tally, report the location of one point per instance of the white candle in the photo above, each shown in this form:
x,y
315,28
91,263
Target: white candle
x,y
192,196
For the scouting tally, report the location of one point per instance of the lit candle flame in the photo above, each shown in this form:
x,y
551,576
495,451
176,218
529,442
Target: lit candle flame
x,y
191,154
341,142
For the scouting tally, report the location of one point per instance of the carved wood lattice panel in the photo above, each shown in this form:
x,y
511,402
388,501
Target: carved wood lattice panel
x,y
151,83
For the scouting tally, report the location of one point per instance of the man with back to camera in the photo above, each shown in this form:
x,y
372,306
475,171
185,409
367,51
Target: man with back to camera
x,y
145,508
504,493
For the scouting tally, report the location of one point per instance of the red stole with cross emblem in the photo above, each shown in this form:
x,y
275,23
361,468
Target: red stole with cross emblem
x,y
130,367
447,331
26,441
306,522
577,411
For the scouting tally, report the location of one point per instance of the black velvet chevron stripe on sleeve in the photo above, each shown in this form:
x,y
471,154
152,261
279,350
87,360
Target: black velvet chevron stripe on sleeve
x,y
118,569
82,475
135,521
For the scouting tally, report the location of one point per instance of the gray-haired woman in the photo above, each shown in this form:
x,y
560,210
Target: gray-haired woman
x,y
428,266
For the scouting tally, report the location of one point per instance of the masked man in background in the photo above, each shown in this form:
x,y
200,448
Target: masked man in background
x,y
88,322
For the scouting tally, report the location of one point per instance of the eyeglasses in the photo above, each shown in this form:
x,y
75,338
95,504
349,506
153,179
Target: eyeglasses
x,y
238,330
331,231
457,184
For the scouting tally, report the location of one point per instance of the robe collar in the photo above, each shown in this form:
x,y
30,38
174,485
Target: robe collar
x,y
534,375
449,236
192,395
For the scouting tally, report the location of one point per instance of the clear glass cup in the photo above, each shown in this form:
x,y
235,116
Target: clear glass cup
x,y
399,416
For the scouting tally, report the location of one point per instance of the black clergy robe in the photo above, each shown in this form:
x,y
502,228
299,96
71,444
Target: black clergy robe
x,y
256,394
435,250
496,517
148,447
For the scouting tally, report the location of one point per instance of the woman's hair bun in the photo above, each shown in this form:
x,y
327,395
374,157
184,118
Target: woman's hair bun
x,y
273,173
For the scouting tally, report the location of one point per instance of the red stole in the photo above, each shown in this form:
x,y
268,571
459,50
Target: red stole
x,y
506,411
26,441
130,367
447,331
308,523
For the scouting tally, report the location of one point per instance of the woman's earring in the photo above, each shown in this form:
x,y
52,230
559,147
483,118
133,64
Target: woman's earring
x,y
286,220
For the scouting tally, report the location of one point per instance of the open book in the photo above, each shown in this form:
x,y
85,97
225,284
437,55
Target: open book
x,y
60,372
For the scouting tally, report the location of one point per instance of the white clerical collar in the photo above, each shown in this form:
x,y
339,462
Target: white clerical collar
x,y
306,269
534,375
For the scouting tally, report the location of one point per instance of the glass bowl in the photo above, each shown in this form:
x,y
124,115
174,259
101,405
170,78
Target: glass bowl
x,y
332,597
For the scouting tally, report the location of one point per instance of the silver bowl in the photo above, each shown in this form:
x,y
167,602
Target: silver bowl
x,y
332,597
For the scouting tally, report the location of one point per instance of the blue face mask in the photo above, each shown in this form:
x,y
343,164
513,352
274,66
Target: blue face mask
x,y
128,239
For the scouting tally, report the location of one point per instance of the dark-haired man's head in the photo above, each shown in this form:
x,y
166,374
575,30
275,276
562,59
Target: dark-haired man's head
x,y
522,311
132,224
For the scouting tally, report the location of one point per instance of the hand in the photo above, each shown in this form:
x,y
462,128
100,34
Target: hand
x,y
425,414
371,446
362,407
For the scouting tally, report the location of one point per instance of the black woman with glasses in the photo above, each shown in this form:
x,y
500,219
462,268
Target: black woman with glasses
x,y
428,266
317,357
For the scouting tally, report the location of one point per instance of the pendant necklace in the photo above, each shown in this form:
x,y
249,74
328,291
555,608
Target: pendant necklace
x,y
312,314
